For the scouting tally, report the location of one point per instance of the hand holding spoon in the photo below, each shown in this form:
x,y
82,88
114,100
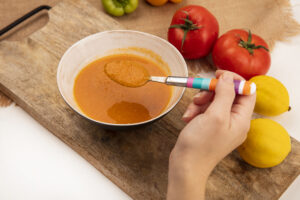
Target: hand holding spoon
x,y
132,74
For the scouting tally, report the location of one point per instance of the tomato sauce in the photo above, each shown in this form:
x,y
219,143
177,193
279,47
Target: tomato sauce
x,y
103,99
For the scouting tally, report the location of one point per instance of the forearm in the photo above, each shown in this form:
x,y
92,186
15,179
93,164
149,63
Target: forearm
x,y
185,181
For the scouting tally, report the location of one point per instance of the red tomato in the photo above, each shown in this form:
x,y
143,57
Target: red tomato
x,y
243,53
193,31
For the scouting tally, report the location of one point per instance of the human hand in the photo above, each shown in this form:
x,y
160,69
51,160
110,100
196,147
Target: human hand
x,y
217,124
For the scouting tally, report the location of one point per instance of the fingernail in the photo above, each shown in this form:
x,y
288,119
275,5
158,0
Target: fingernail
x,y
187,114
227,77
198,95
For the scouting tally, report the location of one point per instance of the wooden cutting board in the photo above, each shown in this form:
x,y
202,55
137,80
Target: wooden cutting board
x,y
136,160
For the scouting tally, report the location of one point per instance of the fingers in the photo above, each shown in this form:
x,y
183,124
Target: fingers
x,y
193,110
203,97
244,106
235,76
200,103
224,95
223,101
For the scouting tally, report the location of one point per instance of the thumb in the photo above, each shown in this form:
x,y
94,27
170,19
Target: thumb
x,y
224,95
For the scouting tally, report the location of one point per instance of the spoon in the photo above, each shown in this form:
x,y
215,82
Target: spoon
x,y
132,74
241,87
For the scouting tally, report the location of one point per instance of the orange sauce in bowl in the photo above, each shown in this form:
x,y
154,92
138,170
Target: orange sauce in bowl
x,y
102,99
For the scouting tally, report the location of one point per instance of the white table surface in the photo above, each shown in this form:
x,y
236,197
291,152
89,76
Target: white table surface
x,y
36,165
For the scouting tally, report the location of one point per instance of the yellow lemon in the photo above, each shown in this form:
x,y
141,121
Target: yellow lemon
x,y
272,97
267,144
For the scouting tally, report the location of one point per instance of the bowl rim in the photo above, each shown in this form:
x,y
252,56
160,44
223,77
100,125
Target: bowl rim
x,y
95,35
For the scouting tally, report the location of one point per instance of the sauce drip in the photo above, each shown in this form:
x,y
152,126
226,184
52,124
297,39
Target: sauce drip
x,y
127,73
102,99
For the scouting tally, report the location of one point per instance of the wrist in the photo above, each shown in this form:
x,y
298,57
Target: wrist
x,y
191,162
187,179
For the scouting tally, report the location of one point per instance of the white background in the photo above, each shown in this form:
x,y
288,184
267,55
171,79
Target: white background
x,y
36,165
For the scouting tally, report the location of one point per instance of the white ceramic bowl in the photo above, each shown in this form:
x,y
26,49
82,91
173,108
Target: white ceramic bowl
x,y
107,43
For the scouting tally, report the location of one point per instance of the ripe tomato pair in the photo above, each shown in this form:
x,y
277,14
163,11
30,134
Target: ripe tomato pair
x,y
194,32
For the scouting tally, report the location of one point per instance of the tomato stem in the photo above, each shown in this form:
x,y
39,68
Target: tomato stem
x,y
186,27
251,46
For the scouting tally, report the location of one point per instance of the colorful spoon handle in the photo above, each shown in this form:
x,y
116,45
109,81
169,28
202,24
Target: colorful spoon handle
x,y
240,86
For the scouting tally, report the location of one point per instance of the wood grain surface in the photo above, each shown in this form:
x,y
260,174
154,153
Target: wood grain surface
x,y
135,160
